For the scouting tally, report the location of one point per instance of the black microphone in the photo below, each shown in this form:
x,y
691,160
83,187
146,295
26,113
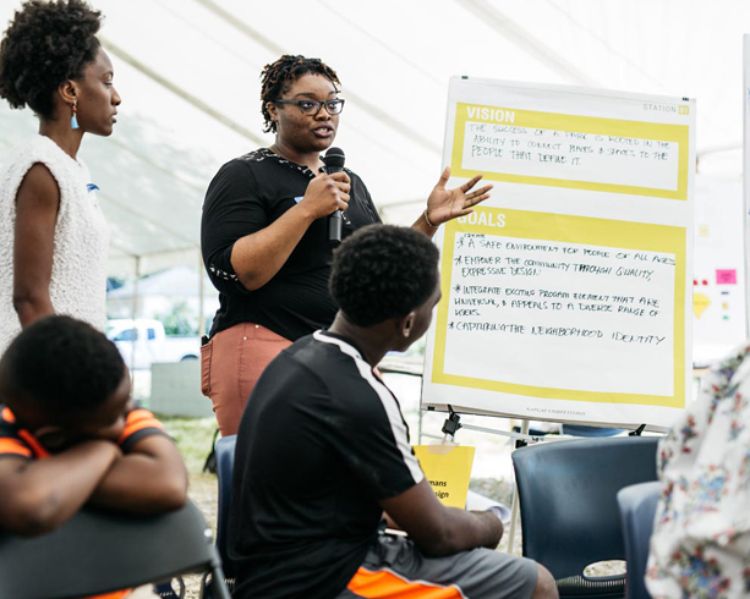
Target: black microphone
x,y
334,162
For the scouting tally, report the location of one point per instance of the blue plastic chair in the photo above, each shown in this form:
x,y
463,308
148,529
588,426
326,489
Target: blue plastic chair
x,y
224,468
582,430
638,510
569,514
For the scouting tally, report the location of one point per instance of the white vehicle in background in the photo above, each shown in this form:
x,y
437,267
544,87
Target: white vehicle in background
x,y
143,341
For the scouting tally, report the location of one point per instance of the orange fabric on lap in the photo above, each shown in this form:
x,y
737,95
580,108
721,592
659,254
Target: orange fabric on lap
x,y
384,584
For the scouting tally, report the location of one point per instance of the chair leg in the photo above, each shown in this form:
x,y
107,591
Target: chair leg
x,y
217,588
165,590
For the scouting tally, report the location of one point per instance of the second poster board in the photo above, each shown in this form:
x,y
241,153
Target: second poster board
x,y
566,296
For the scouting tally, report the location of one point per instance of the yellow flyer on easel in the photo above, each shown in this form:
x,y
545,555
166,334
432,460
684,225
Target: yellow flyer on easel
x,y
448,469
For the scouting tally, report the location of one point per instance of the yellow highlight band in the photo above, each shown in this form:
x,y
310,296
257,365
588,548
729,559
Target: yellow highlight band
x,y
678,134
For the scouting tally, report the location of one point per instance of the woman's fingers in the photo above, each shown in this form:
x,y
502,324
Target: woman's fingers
x,y
471,183
477,196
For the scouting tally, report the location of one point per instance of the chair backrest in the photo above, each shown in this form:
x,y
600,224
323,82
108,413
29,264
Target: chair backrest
x,y
98,552
224,468
567,492
638,510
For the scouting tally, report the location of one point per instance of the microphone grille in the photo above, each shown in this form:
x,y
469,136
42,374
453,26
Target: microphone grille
x,y
334,157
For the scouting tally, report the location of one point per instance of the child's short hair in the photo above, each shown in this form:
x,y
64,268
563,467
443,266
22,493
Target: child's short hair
x,y
61,364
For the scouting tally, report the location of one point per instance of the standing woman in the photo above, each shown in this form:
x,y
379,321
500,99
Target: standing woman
x,y
53,236
264,233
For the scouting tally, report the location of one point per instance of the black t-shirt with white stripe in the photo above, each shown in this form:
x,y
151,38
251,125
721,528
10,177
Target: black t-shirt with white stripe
x,y
321,442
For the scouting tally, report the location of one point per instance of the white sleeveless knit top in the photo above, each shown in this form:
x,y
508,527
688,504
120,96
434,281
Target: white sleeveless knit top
x,y
79,261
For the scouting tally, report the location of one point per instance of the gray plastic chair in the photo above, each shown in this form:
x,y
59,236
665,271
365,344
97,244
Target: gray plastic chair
x,y
569,514
637,510
100,552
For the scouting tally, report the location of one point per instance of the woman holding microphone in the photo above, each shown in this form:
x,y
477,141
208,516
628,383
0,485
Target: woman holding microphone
x,y
264,232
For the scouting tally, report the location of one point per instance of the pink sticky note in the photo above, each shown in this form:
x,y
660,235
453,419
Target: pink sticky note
x,y
726,277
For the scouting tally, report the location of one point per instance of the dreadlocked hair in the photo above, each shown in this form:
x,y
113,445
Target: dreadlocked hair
x,y
279,75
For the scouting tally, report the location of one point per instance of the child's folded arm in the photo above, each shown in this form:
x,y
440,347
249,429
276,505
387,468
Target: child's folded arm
x,y
150,478
39,495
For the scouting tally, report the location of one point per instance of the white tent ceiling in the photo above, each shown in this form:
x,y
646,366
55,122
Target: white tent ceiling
x,y
188,74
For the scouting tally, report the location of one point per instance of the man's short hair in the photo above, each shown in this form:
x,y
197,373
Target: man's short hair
x,y
383,272
60,364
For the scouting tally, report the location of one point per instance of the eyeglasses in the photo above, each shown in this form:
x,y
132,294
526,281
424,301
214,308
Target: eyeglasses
x,y
312,107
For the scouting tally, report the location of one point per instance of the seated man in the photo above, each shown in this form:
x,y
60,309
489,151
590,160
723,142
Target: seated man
x,y
701,541
69,435
323,450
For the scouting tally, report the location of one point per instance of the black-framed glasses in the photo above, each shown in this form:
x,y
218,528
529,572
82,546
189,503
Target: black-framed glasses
x,y
307,106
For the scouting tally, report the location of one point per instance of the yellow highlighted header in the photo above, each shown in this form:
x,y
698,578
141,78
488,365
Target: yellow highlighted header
x,y
609,129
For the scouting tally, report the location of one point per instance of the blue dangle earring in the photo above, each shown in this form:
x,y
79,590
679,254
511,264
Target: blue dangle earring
x,y
74,118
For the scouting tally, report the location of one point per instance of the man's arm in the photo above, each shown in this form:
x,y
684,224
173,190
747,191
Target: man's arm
x,y
36,496
438,530
149,479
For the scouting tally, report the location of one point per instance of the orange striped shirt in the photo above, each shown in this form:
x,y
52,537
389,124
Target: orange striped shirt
x,y
14,440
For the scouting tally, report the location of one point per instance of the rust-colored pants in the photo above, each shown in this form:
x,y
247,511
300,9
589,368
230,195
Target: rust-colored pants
x,y
231,363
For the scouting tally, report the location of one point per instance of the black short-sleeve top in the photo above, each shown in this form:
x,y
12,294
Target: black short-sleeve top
x,y
321,443
248,194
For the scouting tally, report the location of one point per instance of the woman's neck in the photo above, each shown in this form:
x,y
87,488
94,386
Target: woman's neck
x,y
309,159
60,132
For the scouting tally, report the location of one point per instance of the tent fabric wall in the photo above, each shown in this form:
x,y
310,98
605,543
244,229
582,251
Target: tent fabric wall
x,y
188,73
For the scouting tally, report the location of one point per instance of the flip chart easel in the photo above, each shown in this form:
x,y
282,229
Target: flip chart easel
x,y
566,296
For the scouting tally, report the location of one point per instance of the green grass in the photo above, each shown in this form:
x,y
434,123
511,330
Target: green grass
x,y
193,437
499,490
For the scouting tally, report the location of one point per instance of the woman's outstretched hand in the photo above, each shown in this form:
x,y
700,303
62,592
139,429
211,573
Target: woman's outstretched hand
x,y
446,204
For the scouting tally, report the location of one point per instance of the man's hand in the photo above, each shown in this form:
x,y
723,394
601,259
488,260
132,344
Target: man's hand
x,y
439,530
111,433
149,479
